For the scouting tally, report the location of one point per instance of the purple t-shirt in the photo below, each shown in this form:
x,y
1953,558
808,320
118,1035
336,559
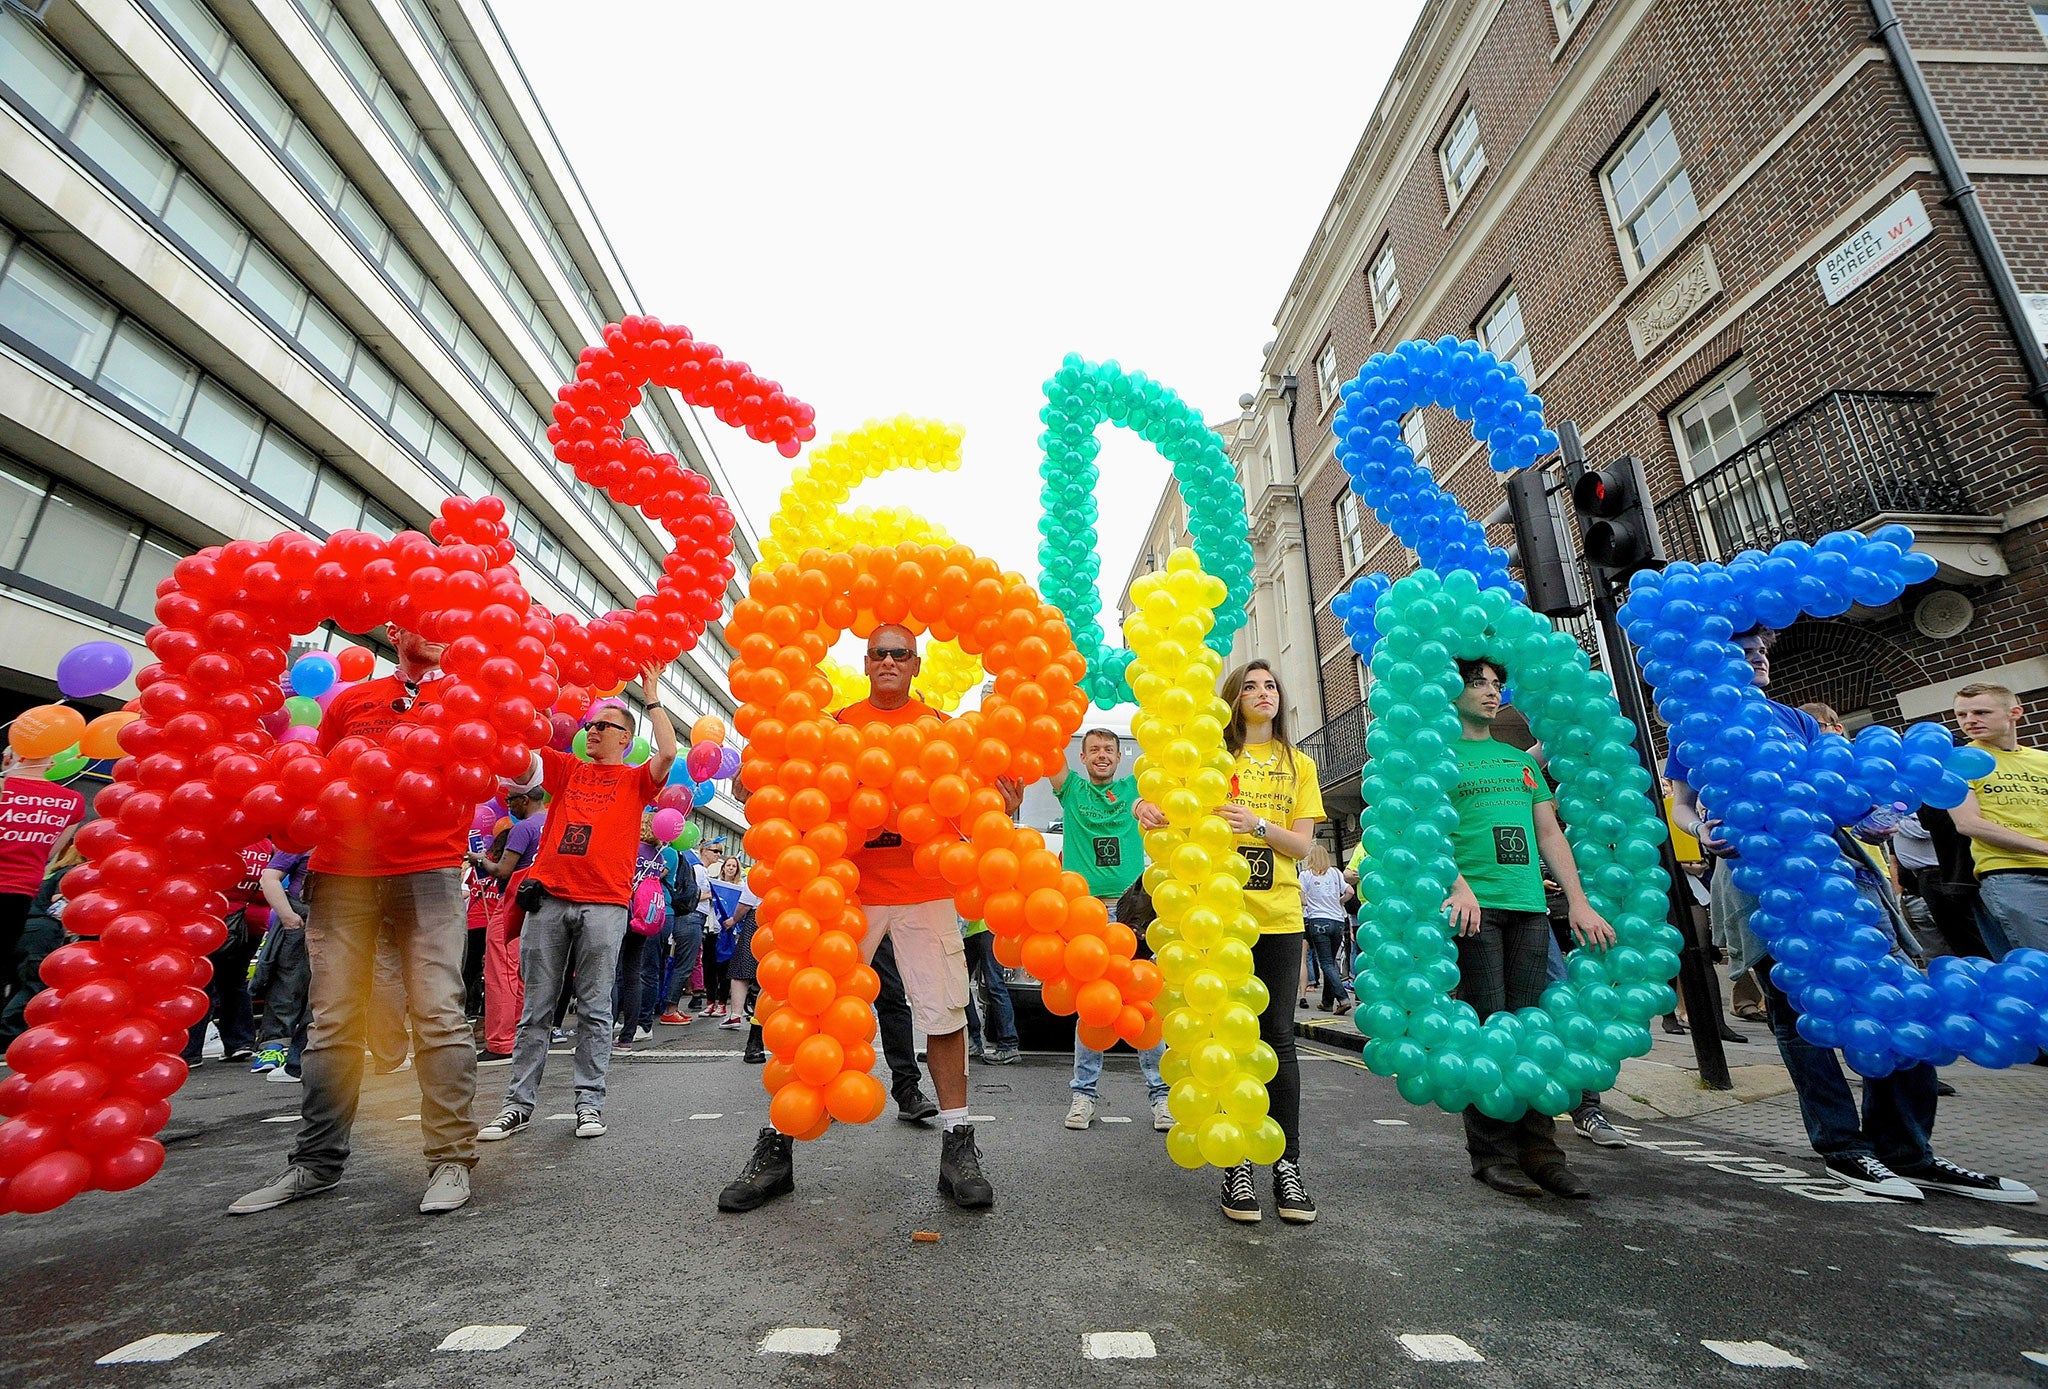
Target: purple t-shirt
x,y
523,839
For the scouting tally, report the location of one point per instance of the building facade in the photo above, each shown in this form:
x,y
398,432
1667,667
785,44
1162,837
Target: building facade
x,y
1729,250
292,264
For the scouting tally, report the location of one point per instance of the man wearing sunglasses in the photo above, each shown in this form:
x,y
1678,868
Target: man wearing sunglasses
x,y
583,874
915,914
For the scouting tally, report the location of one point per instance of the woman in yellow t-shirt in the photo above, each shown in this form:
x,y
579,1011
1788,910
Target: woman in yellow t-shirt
x,y
1273,806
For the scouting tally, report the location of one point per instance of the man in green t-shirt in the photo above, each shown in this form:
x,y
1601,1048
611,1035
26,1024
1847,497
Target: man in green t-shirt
x,y
1101,841
1506,819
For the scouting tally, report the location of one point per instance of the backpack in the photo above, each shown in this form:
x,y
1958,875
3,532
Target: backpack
x,y
650,907
684,896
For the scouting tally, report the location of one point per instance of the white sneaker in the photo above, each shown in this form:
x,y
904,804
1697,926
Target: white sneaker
x,y
1162,1115
449,1189
1866,1173
292,1184
281,1076
1081,1113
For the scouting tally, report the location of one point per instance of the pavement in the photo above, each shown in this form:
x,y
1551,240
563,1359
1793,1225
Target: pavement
x,y
1709,1256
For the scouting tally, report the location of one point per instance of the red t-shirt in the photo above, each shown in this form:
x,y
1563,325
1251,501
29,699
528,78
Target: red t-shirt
x,y
33,812
592,836
365,711
249,891
888,875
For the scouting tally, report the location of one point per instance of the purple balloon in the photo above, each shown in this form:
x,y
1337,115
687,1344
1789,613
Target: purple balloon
x,y
92,668
728,763
562,731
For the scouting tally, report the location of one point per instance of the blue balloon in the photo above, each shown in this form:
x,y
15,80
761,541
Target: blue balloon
x,y
701,796
313,674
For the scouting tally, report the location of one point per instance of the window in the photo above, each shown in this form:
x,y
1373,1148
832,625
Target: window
x,y
255,96
223,428
44,305
1501,332
1416,436
209,229
1326,375
274,290
327,338
1386,285
154,560
1649,191
1738,493
38,73
1568,12
20,498
1464,159
2041,21
285,471
338,505
1350,530
80,547
119,146
148,375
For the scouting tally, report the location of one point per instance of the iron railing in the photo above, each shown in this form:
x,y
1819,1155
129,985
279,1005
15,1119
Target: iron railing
x,y
1831,465
1338,747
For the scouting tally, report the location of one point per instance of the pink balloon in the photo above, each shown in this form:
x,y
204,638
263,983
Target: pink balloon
x,y
667,825
326,696
299,733
484,819
562,731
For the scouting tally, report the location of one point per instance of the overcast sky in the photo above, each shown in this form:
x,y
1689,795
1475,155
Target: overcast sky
x,y
898,208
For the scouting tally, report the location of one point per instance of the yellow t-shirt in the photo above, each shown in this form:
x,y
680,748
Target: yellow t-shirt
x,y
1262,782
2015,795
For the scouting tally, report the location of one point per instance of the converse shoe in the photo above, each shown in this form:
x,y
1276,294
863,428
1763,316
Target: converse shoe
x,y
291,1184
1240,1200
1591,1124
589,1121
733,1021
960,1178
769,1173
509,1121
1081,1113
1866,1173
1162,1114
676,1017
1942,1175
1290,1195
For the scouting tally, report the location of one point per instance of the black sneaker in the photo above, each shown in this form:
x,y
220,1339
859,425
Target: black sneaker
x,y
916,1107
754,1055
508,1122
1290,1194
1240,1199
1942,1175
1591,1125
769,1173
960,1178
1866,1173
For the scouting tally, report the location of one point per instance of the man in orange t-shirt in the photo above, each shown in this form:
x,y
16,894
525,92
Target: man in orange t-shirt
x,y
916,914
363,883
583,872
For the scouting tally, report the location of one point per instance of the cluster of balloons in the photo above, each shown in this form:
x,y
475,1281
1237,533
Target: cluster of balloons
x,y
210,771
1203,939
820,787
1079,397
1433,1044
811,517
1780,800
62,734
693,781
1473,384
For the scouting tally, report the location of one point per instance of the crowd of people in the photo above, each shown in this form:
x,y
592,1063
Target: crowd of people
x,y
469,941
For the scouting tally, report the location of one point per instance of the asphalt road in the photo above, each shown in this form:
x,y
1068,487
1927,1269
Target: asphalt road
x,y
611,1257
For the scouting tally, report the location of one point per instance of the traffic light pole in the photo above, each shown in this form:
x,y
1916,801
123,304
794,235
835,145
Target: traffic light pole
x,y
1695,961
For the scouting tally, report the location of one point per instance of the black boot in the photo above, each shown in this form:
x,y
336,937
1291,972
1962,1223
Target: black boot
x,y
754,1055
769,1173
960,1179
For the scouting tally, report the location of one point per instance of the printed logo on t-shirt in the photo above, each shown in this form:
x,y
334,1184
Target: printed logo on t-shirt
x,y
887,839
575,841
1109,853
1261,861
1528,778
1510,845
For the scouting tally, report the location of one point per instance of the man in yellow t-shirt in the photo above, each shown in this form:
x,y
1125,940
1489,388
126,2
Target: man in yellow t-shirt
x,y
2006,819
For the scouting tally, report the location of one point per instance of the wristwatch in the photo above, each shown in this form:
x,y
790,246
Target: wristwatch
x,y
1261,828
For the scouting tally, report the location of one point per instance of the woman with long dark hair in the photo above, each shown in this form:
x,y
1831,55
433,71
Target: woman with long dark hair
x,y
1273,808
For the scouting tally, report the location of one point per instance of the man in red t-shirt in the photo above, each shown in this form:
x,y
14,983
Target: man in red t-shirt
x,y
364,883
34,815
584,873
916,915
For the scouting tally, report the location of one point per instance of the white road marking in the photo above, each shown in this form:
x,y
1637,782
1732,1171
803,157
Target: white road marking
x,y
406,1119
981,1118
1116,1119
1392,1123
1760,1355
800,1340
2039,1357
164,1345
561,1116
1118,1345
1438,1347
501,1061
2031,1258
282,1119
481,1337
1765,1173
1985,1237
707,1116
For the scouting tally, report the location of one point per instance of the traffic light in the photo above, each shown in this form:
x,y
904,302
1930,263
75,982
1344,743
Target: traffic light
x,y
1617,519
1542,549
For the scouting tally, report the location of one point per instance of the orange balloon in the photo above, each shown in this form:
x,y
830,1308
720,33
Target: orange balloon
x,y
860,1056
1086,958
1009,952
968,901
998,870
1004,913
948,793
1121,940
818,1059
1098,1004
776,1074
1037,869
46,730
1097,1039
1058,997
855,1097
835,952
1046,909
796,931
102,737
848,1020
785,1032
1155,1028
1130,1023
1045,956
773,971
1146,981
867,808
709,729
811,991
796,1109
863,983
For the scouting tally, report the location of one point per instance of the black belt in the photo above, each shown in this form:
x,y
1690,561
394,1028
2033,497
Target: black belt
x,y
2012,873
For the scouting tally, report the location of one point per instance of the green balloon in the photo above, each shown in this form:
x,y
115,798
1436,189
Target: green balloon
x,y
66,764
580,744
303,712
639,752
687,839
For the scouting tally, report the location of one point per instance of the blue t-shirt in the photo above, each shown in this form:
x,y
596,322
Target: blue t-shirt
x,y
1797,722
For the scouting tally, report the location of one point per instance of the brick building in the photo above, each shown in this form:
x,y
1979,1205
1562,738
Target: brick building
x,y
1727,249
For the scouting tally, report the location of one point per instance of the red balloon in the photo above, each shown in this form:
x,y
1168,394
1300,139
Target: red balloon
x,y
177,1011
130,1046
24,1140
49,1182
129,1166
97,1004
107,1125
69,1088
158,1080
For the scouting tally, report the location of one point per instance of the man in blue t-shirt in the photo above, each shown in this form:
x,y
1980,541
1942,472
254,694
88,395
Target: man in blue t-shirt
x,y
1889,1152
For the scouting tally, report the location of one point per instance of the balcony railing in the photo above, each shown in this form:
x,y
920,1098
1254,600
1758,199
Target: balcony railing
x,y
1835,463
1338,747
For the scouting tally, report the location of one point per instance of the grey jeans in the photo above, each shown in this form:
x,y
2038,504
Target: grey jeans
x,y
560,937
424,914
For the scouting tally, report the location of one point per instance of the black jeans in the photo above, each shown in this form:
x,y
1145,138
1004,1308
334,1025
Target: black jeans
x,y
1276,960
631,997
13,918
473,973
1325,939
228,994
892,1018
1504,967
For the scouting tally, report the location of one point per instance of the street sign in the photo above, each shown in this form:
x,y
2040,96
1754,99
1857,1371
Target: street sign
x,y
1885,238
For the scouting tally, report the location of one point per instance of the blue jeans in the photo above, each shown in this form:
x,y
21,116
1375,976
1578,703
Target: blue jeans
x,y
981,964
2015,912
1898,1110
1325,939
1088,1061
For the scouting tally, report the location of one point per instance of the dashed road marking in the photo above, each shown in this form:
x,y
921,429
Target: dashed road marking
x,y
499,1061
800,1340
2038,1357
164,1345
981,1118
1392,1123
561,1116
1760,1355
1116,1119
282,1119
1438,1347
2028,1251
466,1338
1118,1345
1763,1172
707,1116
406,1119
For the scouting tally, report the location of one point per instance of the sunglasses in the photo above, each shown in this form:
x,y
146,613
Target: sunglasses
x,y
890,653
606,723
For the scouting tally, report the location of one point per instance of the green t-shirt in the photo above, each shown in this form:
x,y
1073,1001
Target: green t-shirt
x,y
1498,788
1102,840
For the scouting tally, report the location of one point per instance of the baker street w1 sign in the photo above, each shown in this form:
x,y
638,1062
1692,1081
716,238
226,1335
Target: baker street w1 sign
x,y
1885,238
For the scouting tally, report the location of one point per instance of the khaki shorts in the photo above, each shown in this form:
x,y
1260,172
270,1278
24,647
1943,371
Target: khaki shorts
x,y
931,955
